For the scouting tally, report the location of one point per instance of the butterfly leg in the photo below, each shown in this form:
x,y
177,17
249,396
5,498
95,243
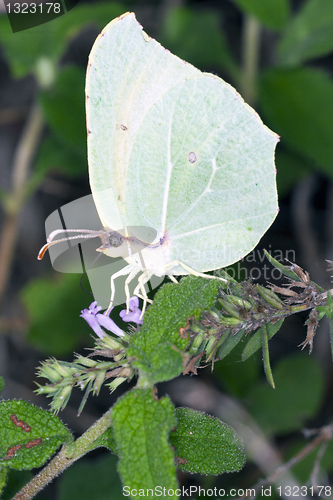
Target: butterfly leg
x,y
126,270
142,280
129,278
191,271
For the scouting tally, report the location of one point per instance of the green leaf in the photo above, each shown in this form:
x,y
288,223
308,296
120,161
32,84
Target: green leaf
x,y
298,105
329,314
265,356
188,32
309,34
158,344
272,14
166,362
26,48
63,107
255,341
284,269
141,426
203,444
90,480
54,155
270,297
28,434
229,344
55,329
3,477
105,440
297,396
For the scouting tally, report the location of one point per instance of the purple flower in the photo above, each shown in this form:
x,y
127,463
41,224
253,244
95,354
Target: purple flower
x,y
95,320
134,313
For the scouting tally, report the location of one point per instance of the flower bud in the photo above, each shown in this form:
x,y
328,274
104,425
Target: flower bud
x,y
227,320
99,381
270,297
90,363
239,302
229,308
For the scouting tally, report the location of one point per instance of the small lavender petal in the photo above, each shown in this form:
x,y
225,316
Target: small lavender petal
x,y
133,317
134,303
94,307
134,314
92,321
96,320
109,324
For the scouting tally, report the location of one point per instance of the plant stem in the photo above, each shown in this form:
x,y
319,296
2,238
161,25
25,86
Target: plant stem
x,y
14,201
66,457
250,59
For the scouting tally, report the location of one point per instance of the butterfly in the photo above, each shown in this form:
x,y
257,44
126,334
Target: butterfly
x,y
181,170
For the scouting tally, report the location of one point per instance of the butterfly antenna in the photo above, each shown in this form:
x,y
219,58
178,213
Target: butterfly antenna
x,y
90,234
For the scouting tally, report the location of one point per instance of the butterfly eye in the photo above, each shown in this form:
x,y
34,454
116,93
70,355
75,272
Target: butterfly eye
x,y
115,240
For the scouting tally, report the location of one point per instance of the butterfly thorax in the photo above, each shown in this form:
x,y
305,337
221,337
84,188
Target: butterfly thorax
x,y
143,256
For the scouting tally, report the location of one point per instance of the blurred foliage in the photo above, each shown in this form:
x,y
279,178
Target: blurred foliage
x,y
247,372
54,155
272,14
303,469
76,483
179,34
54,306
288,407
309,34
16,480
298,104
58,103
291,168
50,41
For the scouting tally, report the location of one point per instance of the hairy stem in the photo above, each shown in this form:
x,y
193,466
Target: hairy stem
x,y
66,457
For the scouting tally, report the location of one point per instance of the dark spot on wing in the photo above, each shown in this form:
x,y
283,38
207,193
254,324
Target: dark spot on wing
x,y
192,157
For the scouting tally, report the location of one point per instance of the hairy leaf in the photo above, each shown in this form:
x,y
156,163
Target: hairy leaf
x,y
203,444
141,426
158,344
28,434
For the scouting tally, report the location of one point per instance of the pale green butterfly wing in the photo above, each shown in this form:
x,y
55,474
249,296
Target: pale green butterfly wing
x,y
177,150
127,73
